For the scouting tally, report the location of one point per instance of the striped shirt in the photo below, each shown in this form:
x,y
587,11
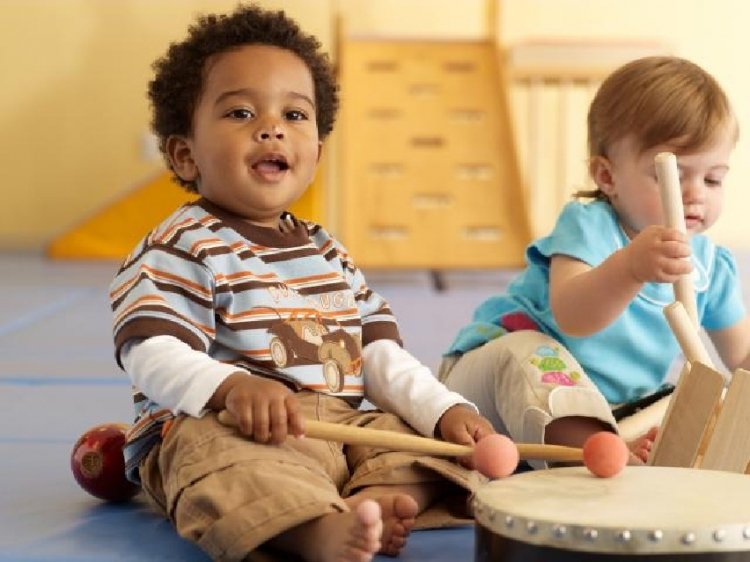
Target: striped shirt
x,y
287,304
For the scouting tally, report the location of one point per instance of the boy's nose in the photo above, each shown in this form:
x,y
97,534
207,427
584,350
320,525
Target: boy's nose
x,y
268,132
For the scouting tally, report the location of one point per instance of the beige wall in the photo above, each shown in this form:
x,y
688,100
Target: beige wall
x,y
73,110
713,34
73,113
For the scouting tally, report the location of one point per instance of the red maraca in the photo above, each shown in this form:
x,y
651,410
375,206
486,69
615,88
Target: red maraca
x,y
98,463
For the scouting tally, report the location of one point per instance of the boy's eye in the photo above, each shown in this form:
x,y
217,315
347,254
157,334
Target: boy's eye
x,y
240,113
296,115
713,182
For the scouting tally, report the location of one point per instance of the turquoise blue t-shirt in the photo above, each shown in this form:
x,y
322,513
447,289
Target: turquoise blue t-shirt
x,y
630,357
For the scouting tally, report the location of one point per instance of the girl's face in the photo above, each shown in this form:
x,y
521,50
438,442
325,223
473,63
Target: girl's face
x,y
254,146
628,177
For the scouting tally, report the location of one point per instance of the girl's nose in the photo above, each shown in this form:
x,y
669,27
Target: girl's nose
x,y
693,190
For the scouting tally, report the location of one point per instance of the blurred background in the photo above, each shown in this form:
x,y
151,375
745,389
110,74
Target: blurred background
x,y
74,119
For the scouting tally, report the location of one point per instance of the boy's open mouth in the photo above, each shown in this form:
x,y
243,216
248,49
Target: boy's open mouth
x,y
271,164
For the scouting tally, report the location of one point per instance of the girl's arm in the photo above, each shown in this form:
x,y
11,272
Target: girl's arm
x,y
587,299
733,344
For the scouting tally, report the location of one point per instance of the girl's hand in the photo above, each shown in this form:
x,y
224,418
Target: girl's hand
x,y
461,424
265,409
657,255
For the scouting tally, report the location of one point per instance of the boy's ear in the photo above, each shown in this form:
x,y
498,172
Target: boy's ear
x,y
180,153
600,169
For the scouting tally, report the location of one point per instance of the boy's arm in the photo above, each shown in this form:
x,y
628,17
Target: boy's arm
x,y
173,374
587,299
733,344
188,381
396,382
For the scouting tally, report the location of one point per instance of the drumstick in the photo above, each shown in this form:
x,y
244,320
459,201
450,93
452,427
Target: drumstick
x,y
668,177
638,424
687,336
693,349
604,453
355,435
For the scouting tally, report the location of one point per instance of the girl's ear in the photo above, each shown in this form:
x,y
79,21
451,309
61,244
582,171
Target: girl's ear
x,y
180,154
600,169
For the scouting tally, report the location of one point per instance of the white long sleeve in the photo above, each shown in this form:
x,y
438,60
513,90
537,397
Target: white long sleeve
x,y
395,381
173,374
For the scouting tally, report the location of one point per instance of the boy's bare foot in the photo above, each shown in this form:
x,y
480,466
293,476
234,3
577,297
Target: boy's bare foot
x,y
641,447
352,536
399,511
360,540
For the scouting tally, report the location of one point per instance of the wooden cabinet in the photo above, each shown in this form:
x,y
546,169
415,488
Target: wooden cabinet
x,y
427,168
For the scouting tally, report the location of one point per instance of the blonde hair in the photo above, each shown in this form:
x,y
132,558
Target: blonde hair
x,y
657,99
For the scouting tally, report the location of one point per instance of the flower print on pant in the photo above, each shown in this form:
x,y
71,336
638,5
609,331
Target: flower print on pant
x,y
553,369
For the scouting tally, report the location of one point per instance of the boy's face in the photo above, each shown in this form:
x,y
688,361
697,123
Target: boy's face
x,y
254,144
628,177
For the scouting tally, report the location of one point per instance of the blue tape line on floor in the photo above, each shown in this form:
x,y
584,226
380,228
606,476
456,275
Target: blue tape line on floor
x,y
41,313
64,381
33,440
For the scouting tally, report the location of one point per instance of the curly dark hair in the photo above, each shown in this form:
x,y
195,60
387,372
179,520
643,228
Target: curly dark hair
x,y
178,75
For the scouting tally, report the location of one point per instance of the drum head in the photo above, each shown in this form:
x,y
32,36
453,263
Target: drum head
x,y
643,511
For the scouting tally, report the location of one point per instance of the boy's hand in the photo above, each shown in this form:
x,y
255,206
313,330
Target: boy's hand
x,y
657,255
461,424
265,409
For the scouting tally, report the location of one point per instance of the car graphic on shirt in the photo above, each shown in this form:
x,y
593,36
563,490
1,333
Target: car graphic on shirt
x,y
303,339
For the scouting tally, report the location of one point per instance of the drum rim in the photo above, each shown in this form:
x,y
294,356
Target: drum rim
x,y
541,531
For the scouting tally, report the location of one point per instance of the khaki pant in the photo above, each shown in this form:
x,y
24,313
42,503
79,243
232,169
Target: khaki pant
x,y
521,382
229,495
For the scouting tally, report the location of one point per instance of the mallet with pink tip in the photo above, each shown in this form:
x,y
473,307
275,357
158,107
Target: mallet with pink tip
x,y
495,456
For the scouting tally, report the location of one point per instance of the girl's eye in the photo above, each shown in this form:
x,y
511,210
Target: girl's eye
x,y
296,115
240,113
713,182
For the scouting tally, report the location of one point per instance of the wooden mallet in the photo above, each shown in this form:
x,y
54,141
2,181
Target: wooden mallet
x,y
682,316
668,176
701,427
495,456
